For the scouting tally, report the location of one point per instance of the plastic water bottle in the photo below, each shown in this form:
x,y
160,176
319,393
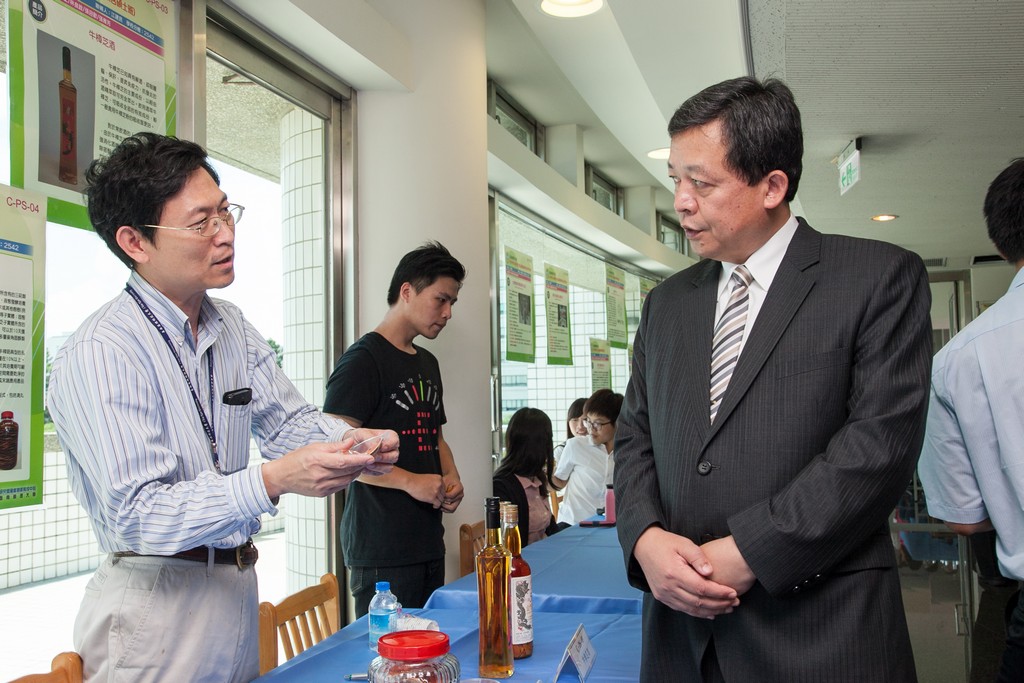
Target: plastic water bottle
x,y
383,612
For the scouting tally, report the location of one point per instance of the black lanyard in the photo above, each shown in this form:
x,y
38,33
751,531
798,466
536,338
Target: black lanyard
x,y
207,427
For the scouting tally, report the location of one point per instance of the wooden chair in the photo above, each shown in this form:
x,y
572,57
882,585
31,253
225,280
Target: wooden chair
x,y
65,668
472,538
301,621
555,497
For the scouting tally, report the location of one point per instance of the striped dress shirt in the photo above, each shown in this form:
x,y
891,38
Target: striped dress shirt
x,y
138,458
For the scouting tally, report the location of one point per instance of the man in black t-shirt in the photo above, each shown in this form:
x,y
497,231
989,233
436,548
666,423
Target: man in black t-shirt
x,y
391,526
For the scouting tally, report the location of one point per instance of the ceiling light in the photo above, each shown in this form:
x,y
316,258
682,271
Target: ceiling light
x,y
884,217
570,8
661,153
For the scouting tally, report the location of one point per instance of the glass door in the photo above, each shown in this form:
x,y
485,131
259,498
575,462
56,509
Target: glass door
x,y
273,135
938,585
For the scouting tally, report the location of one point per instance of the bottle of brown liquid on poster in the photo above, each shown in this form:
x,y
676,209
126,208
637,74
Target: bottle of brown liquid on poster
x,y
493,565
8,441
520,584
68,170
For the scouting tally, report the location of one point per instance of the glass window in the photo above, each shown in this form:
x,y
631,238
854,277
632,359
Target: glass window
x,y
552,388
604,192
273,130
275,150
517,121
670,233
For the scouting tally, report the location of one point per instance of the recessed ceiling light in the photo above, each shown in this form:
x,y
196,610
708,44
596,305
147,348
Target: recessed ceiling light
x,y
570,8
884,217
661,153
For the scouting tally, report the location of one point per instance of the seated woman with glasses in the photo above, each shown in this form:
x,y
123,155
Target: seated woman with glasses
x,y
585,467
524,475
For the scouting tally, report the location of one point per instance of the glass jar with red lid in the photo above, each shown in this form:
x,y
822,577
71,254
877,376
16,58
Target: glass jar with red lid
x,y
421,656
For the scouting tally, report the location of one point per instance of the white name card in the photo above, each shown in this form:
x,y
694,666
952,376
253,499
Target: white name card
x,y
580,653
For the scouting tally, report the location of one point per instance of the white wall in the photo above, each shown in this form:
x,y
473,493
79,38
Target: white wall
x,y
422,174
419,69
988,283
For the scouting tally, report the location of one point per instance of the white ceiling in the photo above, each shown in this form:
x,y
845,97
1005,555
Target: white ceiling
x,y
932,86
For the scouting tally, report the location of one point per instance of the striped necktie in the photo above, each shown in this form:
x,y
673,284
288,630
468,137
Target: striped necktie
x,y
725,347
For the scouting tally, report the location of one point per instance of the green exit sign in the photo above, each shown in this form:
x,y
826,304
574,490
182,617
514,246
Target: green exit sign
x,y
849,166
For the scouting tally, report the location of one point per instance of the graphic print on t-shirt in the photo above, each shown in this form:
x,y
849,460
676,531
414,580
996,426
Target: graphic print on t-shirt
x,y
420,397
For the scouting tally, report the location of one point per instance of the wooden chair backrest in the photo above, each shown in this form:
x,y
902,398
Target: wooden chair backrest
x,y
65,668
555,497
298,622
472,538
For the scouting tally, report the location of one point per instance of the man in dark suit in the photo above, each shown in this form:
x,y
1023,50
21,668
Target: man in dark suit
x,y
753,497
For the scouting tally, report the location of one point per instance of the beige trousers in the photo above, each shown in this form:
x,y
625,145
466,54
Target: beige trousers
x,y
155,619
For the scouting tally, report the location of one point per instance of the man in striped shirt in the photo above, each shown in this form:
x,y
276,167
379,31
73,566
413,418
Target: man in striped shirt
x,y
155,398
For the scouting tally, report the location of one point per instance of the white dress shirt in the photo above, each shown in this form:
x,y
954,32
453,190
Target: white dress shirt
x,y
138,458
762,264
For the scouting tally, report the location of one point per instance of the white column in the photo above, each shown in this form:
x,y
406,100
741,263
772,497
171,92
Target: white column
x,y
302,221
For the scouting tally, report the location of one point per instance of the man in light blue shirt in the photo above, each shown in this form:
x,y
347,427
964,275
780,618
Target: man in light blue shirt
x,y
154,399
972,462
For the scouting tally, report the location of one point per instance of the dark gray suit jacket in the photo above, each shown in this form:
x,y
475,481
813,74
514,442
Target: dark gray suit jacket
x,y
817,435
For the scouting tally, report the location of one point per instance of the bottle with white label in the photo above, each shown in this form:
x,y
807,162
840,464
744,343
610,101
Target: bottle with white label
x,y
521,588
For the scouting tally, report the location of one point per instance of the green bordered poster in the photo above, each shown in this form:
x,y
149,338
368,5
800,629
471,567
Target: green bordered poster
x,y
615,306
22,351
85,74
556,308
520,337
600,364
645,288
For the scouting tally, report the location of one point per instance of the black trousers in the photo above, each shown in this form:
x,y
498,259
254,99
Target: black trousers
x,y
412,584
710,672
1011,670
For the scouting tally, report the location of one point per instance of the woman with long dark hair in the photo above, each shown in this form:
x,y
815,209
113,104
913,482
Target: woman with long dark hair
x,y
524,476
573,423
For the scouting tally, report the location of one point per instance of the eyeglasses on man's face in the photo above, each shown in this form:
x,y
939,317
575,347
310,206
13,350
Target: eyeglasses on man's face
x,y
208,227
594,425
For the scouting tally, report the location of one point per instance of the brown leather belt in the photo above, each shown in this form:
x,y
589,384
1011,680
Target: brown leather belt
x,y
243,556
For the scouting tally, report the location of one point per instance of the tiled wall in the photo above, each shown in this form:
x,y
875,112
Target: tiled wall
x,y
55,539
51,540
302,220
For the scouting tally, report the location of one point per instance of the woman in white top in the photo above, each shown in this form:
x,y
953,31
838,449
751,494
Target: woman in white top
x,y
573,424
585,467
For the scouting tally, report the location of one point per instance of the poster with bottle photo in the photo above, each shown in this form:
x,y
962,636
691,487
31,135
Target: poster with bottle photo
x,y
65,112
85,74
556,307
520,329
22,355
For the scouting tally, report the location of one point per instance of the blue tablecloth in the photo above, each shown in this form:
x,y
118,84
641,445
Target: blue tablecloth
x,y
578,570
616,639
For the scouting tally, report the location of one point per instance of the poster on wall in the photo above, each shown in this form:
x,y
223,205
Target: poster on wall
x,y
22,354
556,308
645,288
85,74
520,327
615,305
600,364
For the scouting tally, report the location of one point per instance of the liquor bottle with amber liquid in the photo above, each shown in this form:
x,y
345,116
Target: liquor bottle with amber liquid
x,y
520,585
68,95
493,566
8,441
